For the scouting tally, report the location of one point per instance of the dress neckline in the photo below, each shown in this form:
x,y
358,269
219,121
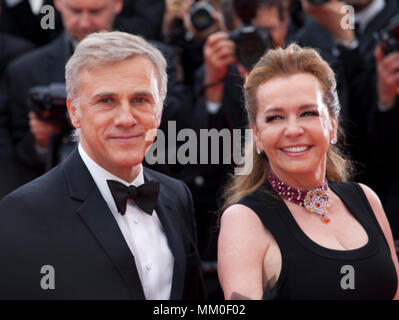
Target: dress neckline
x,y
364,251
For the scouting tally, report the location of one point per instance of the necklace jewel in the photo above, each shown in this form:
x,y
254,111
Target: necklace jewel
x,y
315,200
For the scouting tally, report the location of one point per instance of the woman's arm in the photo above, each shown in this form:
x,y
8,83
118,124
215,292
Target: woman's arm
x,y
242,246
384,224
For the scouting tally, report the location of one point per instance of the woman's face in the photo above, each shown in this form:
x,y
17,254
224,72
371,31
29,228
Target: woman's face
x,y
293,127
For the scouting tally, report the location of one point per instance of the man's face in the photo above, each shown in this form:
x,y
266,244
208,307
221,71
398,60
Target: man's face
x,y
269,19
83,17
118,109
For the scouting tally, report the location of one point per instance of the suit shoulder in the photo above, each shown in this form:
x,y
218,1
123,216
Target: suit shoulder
x,y
165,49
16,44
36,57
34,193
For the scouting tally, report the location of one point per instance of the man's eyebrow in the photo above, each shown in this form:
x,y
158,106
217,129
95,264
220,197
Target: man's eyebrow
x,y
142,93
103,94
139,93
98,9
72,7
100,95
78,9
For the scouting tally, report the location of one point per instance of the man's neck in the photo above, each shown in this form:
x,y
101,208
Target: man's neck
x,y
128,174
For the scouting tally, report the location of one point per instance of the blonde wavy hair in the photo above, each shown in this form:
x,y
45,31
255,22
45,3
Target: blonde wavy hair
x,y
284,62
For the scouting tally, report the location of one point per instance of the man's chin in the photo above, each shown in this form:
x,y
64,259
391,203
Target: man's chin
x,y
79,37
127,161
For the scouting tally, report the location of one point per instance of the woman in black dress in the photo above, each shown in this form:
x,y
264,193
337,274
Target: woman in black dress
x,y
294,228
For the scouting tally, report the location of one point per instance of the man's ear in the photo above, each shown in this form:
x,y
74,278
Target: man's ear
x,y
58,5
118,6
73,113
286,18
158,120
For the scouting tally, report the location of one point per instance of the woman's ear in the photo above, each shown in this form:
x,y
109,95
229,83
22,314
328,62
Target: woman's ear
x,y
255,133
334,128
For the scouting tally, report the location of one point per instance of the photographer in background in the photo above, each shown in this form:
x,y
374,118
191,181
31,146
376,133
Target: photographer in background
x,y
223,72
370,17
381,95
186,26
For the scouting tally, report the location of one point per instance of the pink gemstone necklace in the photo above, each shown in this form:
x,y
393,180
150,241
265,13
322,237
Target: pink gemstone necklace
x,y
315,200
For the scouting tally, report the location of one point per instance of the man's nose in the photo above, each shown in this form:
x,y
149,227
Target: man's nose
x,y
125,116
85,20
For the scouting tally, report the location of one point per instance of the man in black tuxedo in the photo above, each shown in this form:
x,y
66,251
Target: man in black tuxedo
x,y
95,227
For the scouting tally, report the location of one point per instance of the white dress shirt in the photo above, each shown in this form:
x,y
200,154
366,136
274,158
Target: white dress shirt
x,y
143,233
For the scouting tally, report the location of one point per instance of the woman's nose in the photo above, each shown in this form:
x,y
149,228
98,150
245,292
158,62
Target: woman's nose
x,y
293,128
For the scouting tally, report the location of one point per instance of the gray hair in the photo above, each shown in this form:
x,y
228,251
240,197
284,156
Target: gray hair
x,y
109,47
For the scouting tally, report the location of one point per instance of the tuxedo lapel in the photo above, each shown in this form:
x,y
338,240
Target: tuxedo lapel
x,y
165,210
100,221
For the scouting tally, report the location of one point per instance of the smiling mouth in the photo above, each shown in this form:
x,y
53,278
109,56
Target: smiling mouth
x,y
296,149
127,138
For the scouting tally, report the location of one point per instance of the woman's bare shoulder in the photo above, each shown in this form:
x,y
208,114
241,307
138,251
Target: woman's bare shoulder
x,y
240,221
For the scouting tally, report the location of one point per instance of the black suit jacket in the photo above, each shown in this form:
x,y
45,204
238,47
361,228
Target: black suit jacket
x,y
61,220
20,163
143,17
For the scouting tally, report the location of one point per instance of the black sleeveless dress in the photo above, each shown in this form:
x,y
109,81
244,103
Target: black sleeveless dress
x,y
310,271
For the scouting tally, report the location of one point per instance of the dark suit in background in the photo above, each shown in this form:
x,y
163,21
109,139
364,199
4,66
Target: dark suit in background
x,y
38,67
141,17
10,48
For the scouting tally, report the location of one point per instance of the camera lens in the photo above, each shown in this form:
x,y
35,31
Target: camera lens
x,y
249,51
201,17
251,43
389,36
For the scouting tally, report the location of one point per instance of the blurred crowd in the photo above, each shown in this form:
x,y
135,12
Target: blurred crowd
x,y
210,47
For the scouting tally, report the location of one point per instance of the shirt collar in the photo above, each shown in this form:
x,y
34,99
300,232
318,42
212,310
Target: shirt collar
x,y
100,177
364,16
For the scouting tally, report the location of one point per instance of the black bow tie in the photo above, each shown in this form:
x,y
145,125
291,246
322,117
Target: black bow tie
x,y
145,195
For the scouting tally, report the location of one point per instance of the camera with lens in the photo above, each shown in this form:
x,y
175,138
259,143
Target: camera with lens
x,y
49,103
317,2
250,42
390,36
201,15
